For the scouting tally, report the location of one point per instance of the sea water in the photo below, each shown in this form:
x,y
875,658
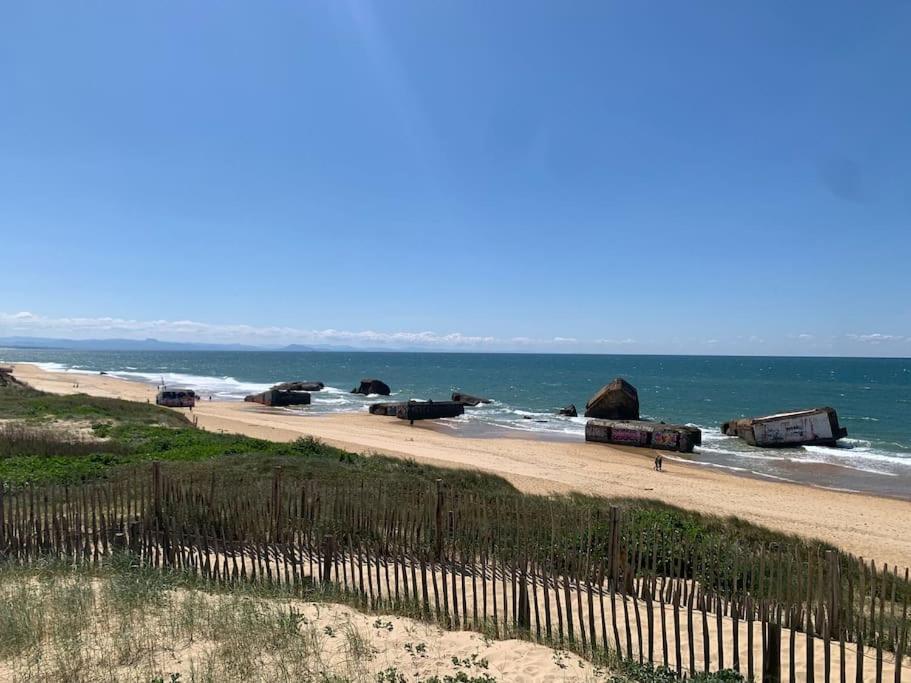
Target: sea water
x,y
872,397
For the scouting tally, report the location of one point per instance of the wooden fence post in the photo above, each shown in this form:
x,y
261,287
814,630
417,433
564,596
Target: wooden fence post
x,y
612,580
276,501
119,541
156,488
328,553
162,537
810,628
438,540
524,616
900,649
135,536
834,592
2,524
771,657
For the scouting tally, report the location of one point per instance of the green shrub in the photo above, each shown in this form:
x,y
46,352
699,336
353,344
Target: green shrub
x,y
645,673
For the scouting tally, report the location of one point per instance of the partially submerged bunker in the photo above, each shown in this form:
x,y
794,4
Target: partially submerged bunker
x,y
810,427
644,434
280,399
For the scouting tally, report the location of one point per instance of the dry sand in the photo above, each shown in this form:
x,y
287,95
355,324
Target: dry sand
x,y
335,642
865,525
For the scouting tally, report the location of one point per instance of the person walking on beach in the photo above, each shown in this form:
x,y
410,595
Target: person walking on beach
x,y
659,462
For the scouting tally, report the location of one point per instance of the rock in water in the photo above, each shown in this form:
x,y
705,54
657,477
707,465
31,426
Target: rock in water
x,y
372,386
618,400
300,386
468,399
569,411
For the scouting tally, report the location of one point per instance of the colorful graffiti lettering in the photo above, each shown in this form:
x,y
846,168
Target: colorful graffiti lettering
x,y
628,435
667,439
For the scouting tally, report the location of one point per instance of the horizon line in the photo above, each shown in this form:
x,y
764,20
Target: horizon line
x,y
328,348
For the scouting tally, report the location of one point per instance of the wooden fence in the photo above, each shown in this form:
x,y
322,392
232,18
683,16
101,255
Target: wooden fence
x,y
578,578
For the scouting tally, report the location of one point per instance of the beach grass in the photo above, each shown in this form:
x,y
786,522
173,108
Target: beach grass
x,y
122,622
130,436
37,449
19,402
125,623
119,439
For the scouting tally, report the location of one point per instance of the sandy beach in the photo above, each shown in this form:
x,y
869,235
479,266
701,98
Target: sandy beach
x,y
865,525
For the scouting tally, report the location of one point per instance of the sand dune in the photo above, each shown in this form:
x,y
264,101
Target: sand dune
x,y
111,642
862,524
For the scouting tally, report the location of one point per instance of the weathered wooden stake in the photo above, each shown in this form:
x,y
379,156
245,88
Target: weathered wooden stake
x,y
328,557
771,657
438,518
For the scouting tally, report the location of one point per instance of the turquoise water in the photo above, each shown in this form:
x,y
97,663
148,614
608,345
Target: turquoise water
x,y
872,397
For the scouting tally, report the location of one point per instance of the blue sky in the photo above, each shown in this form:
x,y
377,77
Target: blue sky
x,y
621,177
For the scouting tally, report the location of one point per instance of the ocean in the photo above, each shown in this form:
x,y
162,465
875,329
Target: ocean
x,y
872,397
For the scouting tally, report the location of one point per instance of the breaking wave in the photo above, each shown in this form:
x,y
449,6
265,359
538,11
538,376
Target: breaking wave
x,y
852,454
854,458
218,387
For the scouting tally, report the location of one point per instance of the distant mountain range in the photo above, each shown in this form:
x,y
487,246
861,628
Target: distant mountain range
x,y
153,345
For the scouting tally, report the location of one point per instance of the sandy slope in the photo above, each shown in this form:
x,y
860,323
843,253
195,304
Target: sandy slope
x,y
873,527
113,645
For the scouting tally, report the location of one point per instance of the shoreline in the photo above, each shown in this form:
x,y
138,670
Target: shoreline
x,y
496,432
719,453
860,523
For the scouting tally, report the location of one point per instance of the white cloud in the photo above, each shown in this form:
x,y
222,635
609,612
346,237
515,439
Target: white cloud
x,y
877,338
29,324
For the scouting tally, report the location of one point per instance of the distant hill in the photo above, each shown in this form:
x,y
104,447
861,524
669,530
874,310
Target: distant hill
x,y
152,345
116,345
323,347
